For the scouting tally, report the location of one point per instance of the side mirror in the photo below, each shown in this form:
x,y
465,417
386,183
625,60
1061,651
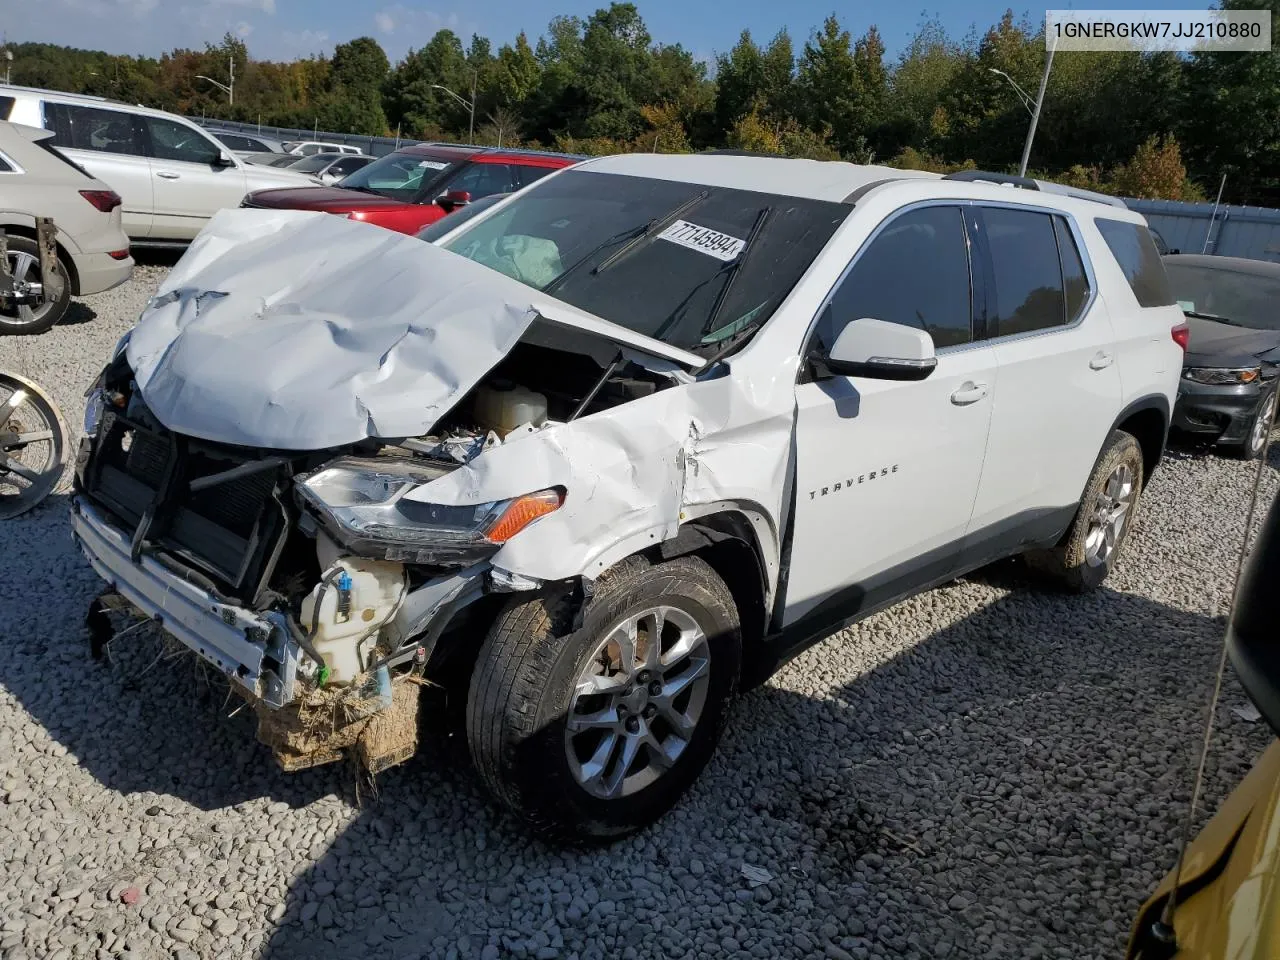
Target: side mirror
x,y
880,350
453,199
224,159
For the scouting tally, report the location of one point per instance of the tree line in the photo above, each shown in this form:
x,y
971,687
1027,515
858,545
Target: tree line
x,y
1141,124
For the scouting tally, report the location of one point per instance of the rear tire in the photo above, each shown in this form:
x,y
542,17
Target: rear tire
x,y
24,263
553,713
1088,552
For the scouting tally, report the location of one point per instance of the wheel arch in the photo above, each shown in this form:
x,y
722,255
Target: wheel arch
x,y
1147,421
68,261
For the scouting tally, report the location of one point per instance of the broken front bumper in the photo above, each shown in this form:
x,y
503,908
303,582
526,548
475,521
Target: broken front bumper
x,y
253,649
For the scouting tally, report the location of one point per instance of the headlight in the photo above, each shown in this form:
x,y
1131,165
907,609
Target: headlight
x,y
93,410
1216,376
362,504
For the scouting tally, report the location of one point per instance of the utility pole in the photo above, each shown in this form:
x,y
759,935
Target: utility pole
x,y
469,104
230,88
1035,114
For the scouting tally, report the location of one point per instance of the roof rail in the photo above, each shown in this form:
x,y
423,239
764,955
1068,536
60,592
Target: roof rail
x,y
1048,186
1027,183
970,176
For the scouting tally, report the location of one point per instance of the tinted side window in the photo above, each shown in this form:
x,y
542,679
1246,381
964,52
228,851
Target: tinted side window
x,y
1027,273
176,141
483,179
530,175
235,142
350,164
5,166
1135,251
1074,280
89,128
6,107
888,280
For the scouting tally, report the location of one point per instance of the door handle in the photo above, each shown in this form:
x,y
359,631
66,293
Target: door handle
x,y
968,393
166,175
1101,360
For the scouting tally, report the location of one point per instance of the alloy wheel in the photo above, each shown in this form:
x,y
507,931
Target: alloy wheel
x,y
1109,515
25,269
637,702
1261,424
31,447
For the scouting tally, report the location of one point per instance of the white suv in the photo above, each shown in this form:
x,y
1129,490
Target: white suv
x,y
171,175
635,433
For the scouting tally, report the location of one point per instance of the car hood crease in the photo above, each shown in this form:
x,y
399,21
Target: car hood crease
x,y
303,331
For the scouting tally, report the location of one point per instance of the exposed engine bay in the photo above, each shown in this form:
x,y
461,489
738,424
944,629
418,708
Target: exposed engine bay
x,y
351,622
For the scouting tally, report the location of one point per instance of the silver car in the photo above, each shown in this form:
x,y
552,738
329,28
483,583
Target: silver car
x,y
93,251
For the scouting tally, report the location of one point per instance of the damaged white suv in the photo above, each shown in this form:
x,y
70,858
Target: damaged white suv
x,y
623,442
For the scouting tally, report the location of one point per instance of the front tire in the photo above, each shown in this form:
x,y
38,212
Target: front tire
x,y
24,265
1255,439
1088,552
593,733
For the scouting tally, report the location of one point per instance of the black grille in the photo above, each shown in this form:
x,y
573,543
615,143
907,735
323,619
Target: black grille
x,y
228,530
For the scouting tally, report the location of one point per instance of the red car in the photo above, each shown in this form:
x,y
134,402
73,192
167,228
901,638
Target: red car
x,y
417,185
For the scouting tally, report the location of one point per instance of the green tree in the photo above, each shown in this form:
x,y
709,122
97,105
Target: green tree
x,y
829,92
412,95
1232,112
740,80
360,64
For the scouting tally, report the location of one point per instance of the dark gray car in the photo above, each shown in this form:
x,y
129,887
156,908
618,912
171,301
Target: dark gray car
x,y
1228,388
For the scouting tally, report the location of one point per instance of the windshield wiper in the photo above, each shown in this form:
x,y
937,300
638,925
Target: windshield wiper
x,y
650,228
1210,316
734,269
728,270
634,235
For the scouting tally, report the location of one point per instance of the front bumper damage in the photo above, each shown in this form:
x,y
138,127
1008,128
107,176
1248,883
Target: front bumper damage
x,y
374,717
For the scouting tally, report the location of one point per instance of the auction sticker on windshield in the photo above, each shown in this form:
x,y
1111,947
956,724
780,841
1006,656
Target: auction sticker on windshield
x,y
431,164
703,239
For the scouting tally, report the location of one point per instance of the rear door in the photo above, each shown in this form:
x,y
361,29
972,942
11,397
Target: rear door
x,y
190,186
1058,390
110,144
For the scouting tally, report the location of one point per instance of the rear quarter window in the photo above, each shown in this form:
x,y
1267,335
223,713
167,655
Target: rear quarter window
x,y
6,107
1135,251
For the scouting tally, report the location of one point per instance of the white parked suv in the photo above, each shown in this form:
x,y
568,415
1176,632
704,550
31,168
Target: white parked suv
x,y
170,173
614,447
92,249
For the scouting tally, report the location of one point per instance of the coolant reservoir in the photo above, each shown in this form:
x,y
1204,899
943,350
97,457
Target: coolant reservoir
x,y
502,406
359,597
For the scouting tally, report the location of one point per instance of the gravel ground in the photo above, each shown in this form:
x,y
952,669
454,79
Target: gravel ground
x,y
988,770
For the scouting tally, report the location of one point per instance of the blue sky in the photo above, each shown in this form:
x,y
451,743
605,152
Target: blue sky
x,y
285,29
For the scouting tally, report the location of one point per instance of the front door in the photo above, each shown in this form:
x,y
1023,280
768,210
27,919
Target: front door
x,y
887,471
190,185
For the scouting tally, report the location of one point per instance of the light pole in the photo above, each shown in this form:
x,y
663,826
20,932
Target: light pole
x,y
8,64
469,104
1033,106
229,88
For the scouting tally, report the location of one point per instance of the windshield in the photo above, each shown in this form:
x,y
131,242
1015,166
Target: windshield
x,y
1242,298
656,256
401,176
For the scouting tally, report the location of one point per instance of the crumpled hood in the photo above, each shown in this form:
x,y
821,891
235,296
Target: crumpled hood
x,y
299,330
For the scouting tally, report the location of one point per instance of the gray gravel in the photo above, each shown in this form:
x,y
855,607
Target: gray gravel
x,y
988,770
